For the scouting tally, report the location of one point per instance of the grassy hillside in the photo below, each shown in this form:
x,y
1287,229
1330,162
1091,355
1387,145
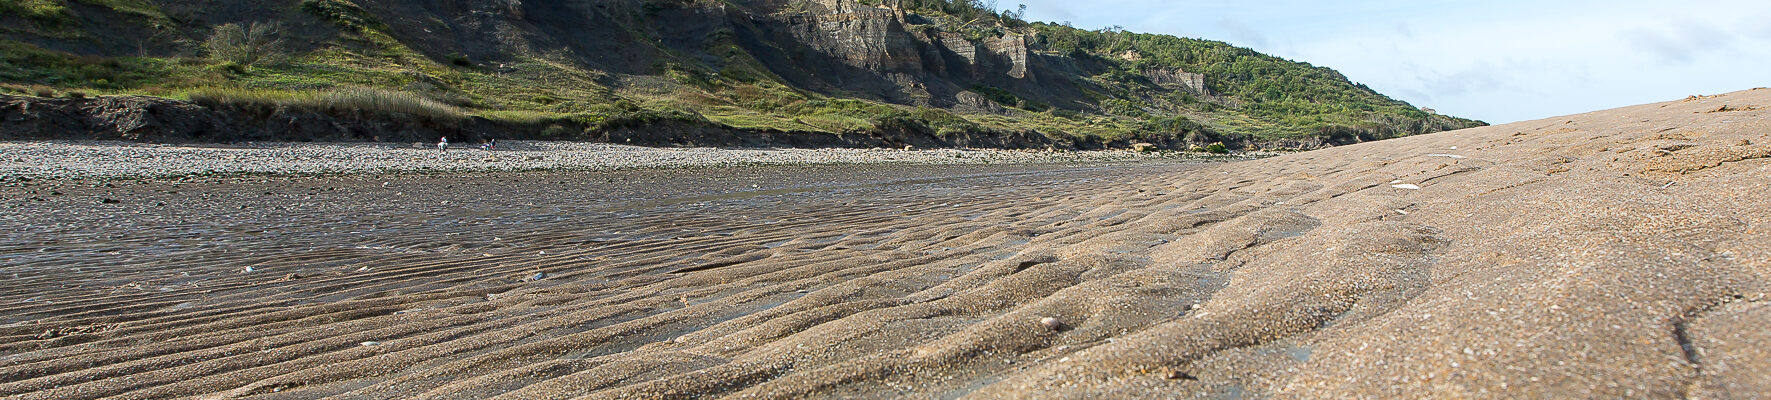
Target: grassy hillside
x,y
652,59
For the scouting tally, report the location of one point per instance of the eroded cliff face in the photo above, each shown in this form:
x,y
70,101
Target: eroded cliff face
x,y
890,54
1176,78
840,48
861,36
1014,48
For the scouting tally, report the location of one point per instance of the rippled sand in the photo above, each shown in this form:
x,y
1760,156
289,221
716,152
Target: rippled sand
x,y
1622,253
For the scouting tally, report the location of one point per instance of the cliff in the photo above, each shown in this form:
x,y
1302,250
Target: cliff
x,y
837,67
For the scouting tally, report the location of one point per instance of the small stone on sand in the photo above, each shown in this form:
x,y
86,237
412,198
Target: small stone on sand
x,y
1051,323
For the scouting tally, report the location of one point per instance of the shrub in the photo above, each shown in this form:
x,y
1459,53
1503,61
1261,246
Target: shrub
x,y
1124,108
246,46
998,95
1171,125
898,121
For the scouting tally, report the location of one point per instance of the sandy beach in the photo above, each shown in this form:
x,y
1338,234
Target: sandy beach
x,y
1617,254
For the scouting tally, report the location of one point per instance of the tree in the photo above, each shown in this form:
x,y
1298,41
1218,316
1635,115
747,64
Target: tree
x,y
1017,17
246,46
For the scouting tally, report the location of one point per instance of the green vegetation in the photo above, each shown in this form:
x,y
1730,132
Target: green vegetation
x,y
336,100
366,66
1279,98
22,63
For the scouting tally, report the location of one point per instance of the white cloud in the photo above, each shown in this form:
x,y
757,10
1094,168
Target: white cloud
x,y
1679,43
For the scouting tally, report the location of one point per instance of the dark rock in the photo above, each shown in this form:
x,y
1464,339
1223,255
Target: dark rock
x,y
1178,375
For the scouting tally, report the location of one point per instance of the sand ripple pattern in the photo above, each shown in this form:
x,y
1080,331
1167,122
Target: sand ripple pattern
x,y
1614,254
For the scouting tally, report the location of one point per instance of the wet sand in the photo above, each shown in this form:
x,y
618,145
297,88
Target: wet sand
x,y
1622,253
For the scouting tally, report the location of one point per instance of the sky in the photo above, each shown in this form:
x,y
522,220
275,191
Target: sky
x,y
1498,61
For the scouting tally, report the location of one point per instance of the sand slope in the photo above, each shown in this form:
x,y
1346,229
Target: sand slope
x,y
1622,253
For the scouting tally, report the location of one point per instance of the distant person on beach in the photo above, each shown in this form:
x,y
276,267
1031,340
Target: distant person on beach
x,y
443,144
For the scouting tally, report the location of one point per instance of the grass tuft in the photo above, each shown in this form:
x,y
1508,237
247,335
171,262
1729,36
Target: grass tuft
x,y
352,99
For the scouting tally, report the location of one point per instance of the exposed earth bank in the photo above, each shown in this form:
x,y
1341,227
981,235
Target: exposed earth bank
x,y
1617,254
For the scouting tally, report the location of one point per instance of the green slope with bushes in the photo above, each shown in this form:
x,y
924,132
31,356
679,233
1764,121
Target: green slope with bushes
x,y
345,54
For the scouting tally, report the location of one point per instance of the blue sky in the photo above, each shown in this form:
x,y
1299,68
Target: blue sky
x,y
1499,61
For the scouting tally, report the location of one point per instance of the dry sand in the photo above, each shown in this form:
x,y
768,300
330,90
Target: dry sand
x,y
1616,254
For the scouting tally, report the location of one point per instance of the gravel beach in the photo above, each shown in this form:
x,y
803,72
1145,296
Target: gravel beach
x,y
63,159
